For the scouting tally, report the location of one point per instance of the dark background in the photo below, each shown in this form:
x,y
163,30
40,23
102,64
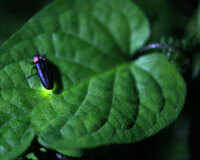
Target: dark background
x,y
179,141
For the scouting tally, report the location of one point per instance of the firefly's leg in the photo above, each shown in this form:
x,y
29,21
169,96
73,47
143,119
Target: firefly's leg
x,y
32,73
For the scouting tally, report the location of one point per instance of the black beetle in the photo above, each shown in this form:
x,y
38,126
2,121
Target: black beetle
x,y
43,72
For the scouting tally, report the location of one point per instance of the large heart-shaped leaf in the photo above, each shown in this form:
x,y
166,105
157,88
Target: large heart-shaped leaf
x,y
101,97
122,105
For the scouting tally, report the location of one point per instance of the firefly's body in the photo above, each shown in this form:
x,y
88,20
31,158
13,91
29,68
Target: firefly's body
x,y
43,72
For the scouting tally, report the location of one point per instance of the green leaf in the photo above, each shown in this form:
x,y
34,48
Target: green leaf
x,y
15,134
76,36
122,105
101,97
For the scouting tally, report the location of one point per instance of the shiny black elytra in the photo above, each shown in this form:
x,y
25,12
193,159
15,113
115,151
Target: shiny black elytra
x,y
43,72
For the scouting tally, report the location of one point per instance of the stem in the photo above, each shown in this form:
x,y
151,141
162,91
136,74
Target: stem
x,y
161,46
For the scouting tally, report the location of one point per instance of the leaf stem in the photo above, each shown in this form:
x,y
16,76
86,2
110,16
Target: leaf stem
x,y
161,46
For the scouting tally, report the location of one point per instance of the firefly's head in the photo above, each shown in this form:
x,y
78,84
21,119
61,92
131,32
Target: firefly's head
x,y
37,58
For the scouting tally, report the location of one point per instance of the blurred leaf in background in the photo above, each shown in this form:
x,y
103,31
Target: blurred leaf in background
x,y
193,29
8,24
13,14
168,17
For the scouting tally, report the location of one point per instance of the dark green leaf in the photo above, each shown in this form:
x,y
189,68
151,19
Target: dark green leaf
x,y
15,134
8,24
193,28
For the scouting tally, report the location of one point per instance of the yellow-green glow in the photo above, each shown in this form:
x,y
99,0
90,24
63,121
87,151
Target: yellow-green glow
x,y
47,92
